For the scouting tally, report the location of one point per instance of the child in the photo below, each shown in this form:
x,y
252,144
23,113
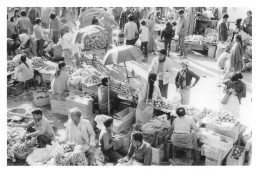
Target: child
x,y
168,34
144,37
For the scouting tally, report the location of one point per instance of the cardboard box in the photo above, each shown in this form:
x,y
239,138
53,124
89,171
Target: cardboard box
x,y
216,140
158,154
41,98
124,120
213,153
233,133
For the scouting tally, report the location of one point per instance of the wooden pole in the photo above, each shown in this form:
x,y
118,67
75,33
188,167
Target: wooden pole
x,y
108,95
128,81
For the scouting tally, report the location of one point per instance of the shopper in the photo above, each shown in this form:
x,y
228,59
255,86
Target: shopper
x,y
23,24
39,36
234,90
183,82
16,15
28,45
144,37
11,28
131,31
40,127
181,30
139,151
33,14
55,28
247,23
223,29
59,79
168,34
152,47
80,131
235,62
162,66
124,17
150,90
137,17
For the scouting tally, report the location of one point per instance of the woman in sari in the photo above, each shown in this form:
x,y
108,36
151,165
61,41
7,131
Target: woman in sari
x,y
236,89
235,62
151,25
144,110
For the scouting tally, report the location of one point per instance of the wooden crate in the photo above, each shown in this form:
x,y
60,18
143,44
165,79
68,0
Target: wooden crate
x,y
90,89
211,162
41,98
15,90
213,153
84,104
236,162
46,77
158,154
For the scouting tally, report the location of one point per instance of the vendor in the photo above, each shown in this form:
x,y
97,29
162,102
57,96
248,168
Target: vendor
x,y
28,45
59,79
139,150
103,97
106,142
24,71
184,133
40,127
247,23
80,132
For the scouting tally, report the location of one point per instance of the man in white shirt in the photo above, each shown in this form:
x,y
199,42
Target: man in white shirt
x,y
131,31
39,36
144,37
80,131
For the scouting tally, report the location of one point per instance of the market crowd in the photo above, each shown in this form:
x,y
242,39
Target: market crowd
x,y
29,32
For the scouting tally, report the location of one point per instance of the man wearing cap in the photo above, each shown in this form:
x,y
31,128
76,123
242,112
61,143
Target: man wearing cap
x,y
183,82
181,30
162,66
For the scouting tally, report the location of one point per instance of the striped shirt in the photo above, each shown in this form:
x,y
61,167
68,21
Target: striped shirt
x,y
184,125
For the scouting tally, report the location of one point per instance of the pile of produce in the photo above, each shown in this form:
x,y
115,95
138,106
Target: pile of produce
x,y
93,79
11,66
237,152
164,104
25,147
211,38
248,42
196,113
121,87
194,38
49,68
70,70
220,118
38,62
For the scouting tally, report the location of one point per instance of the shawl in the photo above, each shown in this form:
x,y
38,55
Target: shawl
x,y
236,55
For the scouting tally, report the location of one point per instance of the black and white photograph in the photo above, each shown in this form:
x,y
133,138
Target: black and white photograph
x,y
129,86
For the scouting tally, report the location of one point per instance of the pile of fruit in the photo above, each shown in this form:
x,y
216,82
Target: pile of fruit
x,y
38,62
195,39
220,118
237,153
195,113
93,79
11,66
49,68
122,88
165,104
70,70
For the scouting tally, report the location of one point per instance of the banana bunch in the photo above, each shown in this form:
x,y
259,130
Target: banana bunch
x,y
78,158
38,62
11,66
21,148
60,160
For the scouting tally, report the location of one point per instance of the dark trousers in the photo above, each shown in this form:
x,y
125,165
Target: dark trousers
x,y
163,89
182,45
112,155
167,45
144,48
40,44
43,140
130,42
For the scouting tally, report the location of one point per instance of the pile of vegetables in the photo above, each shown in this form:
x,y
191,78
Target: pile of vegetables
x,y
219,118
121,87
49,68
70,70
93,78
164,104
25,147
237,152
196,113
38,62
11,66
